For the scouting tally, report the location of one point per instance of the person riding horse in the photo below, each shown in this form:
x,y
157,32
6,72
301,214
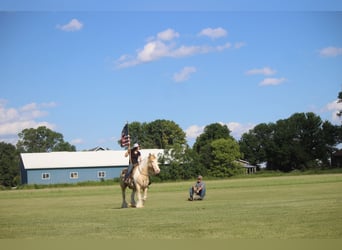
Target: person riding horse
x,y
140,181
135,159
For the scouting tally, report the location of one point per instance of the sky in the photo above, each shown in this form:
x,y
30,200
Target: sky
x,y
85,71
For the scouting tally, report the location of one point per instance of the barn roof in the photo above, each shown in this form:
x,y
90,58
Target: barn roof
x,y
245,164
106,158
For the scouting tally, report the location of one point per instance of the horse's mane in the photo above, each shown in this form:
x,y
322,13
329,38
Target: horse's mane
x,y
143,163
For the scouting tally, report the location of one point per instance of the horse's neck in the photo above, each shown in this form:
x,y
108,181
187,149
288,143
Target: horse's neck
x,y
142,168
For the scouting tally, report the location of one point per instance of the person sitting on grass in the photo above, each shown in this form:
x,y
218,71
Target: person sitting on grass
x,y
197,189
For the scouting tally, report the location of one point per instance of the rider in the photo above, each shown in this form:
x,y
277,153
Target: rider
x,y
135,159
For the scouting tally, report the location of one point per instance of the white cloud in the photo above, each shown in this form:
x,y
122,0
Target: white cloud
x,y
194,131
239,45
237,129
73,25
14,127
330,52
153,51
77,141
126,61
14,120
167,35
223,47
183,51
184,74
334,107
263,71
213,33
7,115
266,71
163,45
272,81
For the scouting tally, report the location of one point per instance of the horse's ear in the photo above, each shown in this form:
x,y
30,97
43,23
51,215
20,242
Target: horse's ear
x,y
151,156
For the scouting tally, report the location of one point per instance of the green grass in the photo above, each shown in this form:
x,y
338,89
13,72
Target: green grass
x,y
285,207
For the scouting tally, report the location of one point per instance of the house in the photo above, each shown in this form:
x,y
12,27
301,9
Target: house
x,y
98,148
73,167
336,159
249,169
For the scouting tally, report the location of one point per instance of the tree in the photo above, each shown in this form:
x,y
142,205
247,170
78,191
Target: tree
x,y
211,132
42,139
300,142
202,145
9,165
339,113
224,153
165,133
253,144
332,136
138,134
160,134
179,162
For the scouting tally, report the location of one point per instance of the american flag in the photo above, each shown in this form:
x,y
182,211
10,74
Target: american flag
x,y
125,140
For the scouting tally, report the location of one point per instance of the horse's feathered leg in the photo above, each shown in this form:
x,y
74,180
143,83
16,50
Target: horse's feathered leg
x,y
123,191
145,194
133,204
140,201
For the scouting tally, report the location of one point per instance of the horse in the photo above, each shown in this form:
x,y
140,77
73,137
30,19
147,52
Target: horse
x,y
148,166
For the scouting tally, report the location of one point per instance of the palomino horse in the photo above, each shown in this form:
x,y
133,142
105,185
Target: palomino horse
x,y
141,180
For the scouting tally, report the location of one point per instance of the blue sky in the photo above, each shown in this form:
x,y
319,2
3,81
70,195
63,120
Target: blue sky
x,y
85,73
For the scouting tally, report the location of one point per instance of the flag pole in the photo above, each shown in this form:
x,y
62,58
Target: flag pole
x,y
129,145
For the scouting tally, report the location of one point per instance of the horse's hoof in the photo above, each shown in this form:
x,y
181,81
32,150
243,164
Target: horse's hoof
x,y
140,205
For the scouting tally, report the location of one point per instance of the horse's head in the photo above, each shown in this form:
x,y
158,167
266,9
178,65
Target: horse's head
x,y
153,164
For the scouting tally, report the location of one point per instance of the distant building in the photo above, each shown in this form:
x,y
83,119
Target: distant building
x,y
73,167
97,149
336,159
249,169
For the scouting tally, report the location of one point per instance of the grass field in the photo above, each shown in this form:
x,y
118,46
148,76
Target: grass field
x,y
287,207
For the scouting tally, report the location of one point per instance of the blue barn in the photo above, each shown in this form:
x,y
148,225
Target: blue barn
x,y
73,167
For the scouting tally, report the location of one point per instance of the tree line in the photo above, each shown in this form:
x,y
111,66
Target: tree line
x,y
302,141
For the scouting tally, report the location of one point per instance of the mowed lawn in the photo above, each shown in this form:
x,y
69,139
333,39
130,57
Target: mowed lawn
x,y
287,207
